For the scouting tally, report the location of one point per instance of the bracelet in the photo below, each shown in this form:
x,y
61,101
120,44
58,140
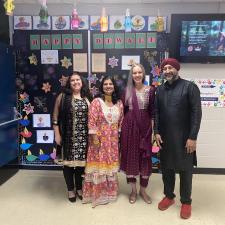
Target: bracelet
x,y
55,122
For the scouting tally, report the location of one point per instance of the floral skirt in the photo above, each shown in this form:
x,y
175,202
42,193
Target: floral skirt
x,y
100,189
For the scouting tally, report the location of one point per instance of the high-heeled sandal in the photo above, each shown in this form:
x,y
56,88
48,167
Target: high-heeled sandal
x,y
80,196
73,198
132,197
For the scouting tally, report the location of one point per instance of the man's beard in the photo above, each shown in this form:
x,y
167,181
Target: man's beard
x,y
171,79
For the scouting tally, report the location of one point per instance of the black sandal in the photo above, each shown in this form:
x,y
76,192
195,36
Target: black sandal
x,y
79,195
72,199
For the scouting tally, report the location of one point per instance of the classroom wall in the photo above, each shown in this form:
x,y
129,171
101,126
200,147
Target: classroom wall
x,y
210,150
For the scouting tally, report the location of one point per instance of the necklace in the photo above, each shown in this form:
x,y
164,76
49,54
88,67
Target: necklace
x,y
108,98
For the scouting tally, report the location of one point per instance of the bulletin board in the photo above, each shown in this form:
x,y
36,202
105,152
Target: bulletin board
x,y
45,59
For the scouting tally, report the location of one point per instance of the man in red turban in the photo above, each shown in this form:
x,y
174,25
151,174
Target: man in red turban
x,y
177,122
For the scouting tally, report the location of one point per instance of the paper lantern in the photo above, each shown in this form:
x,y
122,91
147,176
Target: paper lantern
x,y
75,21
104,21
9,7
127,23
43,13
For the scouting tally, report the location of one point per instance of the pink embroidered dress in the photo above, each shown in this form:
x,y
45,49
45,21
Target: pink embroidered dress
x,y
100,182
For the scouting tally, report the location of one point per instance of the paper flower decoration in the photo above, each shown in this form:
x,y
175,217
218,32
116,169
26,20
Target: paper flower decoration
x,y
26,133
113,62
30,157
9,7
92,78
42,156
63,80
94,91
24,97
46,87
28,108
66,62
33,59
24,146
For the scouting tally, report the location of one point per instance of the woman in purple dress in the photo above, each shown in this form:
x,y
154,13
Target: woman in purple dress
x,y
138,101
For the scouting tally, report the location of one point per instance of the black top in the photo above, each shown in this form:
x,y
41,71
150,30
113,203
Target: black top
x,y
177,118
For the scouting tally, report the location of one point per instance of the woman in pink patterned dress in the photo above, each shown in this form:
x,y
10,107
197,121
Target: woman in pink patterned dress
x,y
105,118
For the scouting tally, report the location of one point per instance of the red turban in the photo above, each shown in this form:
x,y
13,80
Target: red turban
x,y
170,61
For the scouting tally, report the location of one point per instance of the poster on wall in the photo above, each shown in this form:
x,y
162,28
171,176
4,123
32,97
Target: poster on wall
x,y
212,92
60,23
39,25
98,62
116,22
80,62
45,136
41,120
129,60
49,57
22,22
83,24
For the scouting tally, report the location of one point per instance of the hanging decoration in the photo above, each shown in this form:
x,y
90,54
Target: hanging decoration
x,y
75,20
104,21
127,23
43,14
159,23
9,7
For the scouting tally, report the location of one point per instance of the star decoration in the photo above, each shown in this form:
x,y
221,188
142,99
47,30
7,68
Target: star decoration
x,y
94,91
155,70
92,78
28,108
40,102
63,80
46,87
66,62
24,97
33,59
113,62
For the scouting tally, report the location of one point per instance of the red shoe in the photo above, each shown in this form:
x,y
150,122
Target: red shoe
x,y
185,211
165,203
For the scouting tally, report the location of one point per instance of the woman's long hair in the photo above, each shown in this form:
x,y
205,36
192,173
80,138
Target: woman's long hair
x,y
130,83
115,94
84,92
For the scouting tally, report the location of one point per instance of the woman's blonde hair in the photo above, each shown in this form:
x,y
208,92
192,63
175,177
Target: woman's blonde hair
x,y
131,84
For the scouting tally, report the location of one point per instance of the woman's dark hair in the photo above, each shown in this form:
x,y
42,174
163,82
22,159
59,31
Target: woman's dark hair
x,y
115,94
84,92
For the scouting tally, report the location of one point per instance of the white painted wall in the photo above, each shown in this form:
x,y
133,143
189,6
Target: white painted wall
x,y
211,153
210,149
